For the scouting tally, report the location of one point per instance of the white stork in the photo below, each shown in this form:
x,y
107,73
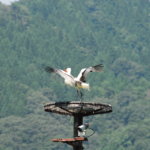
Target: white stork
x,y
78,82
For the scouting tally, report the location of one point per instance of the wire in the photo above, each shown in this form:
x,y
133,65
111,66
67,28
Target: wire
x,y
92,133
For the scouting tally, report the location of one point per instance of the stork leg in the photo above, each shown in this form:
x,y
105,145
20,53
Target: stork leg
x,y
78,94
81,96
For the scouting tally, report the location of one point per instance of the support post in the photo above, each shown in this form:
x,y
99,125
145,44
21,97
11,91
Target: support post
x,y
78,120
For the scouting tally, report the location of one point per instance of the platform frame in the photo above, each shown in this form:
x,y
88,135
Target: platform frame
x,y
78,110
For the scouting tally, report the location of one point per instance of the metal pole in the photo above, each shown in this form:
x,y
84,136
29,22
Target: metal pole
x,y
78,120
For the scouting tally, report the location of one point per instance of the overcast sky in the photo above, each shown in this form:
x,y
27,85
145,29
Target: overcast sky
x,y
7,2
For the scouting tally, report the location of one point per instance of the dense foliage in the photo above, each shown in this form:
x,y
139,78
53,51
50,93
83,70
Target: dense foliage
x,y
76,34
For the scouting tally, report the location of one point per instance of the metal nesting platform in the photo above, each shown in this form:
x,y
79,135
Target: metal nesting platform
x,y
76,108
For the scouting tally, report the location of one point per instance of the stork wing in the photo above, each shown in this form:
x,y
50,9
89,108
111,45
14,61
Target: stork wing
x,y
84,73
60,72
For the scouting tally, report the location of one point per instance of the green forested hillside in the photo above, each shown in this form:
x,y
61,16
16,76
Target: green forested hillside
x,y
76,34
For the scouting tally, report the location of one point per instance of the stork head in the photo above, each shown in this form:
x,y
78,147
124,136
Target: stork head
x,y
68,70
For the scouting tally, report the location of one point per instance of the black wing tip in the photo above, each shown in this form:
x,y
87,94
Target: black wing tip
x,y
49,69
98,67
101,65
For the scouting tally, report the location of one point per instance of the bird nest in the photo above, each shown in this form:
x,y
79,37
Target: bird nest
x,y
77,108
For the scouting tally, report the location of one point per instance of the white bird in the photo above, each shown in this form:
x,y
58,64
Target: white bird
x,y
78,82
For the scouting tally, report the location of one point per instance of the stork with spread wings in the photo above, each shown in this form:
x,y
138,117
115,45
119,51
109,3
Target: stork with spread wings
x,y
78,82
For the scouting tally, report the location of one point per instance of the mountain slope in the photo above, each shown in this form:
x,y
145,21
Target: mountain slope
x,y
76,34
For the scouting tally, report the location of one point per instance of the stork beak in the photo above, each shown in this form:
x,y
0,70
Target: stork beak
x,y
65,70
